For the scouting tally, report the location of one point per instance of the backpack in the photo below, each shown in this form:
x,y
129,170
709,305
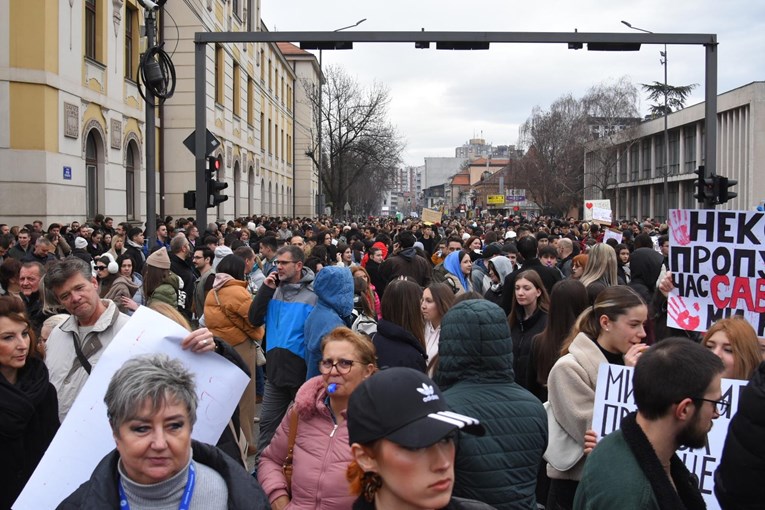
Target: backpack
x,y
362,323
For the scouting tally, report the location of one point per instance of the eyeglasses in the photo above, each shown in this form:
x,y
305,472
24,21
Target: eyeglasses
x,y
284,262
101,268
343,366
721,406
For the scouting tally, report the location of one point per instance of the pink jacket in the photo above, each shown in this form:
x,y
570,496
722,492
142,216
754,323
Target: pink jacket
x,y
320,459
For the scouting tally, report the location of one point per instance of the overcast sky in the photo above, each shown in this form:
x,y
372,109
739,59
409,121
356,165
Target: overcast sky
x,y
440,99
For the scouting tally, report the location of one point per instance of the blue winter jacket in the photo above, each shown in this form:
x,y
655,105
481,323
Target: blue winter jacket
x,y
334,293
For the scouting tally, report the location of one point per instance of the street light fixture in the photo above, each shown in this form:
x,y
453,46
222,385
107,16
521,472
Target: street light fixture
x,y
320,205
666,114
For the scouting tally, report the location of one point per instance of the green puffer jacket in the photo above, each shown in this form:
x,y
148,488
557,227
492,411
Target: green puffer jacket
x,y
475,372
167,291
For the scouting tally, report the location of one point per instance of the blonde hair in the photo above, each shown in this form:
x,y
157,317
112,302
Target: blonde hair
x,y
601,266
170,312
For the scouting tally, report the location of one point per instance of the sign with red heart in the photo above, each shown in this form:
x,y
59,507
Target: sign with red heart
x,y
588,205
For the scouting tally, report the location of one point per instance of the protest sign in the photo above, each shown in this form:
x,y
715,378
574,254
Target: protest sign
x,y
598,211
611,233
614,400
431,215
717,260
85,436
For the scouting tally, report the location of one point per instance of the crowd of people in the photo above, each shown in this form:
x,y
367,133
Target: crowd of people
x,y
391,364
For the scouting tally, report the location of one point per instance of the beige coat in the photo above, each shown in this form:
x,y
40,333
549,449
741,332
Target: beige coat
x,y
571,392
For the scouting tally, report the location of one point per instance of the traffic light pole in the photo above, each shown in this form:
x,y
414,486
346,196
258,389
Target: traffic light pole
x,y
200,112
151,141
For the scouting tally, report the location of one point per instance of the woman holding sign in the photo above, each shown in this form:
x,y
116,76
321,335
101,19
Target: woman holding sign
x,y
151,403
610,331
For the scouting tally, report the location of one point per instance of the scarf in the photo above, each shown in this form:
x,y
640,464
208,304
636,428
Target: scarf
x,y
687,495
20,400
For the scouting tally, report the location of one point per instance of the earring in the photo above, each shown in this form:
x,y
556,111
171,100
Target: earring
x,y
369,485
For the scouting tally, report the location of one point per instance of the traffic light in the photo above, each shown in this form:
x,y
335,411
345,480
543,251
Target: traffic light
x,y
213,186
704,186
721,192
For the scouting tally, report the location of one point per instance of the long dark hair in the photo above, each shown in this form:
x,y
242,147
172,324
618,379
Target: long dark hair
x,y
567,301
153,277
543,301
401,306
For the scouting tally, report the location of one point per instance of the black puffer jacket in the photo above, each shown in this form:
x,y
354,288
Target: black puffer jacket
x,y
475,372
397,347
101,493
739,477
523,333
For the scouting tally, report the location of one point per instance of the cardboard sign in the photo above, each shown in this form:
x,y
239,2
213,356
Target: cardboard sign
x,y
611,233
718,268
431,215
598,211
614,400
85,437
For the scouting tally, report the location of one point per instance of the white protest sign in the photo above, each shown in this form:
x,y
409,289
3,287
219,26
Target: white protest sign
x,y
610,233
718,268
85,436
598,211
614,400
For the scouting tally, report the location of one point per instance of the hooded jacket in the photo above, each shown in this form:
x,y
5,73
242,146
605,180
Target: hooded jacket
x,y
167,291
406,263
101,492
226,309
334,304
320,457
284,312
503,267
119,288
475,373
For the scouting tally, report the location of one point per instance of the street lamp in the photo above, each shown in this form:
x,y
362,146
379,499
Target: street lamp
x,y
321,88
666,114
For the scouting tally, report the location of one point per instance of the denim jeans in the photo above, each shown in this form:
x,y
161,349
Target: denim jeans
x,y
260,381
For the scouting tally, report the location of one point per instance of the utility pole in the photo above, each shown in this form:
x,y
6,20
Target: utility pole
x,y
150,17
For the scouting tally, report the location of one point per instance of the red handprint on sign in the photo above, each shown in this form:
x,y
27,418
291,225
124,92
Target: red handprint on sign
x,y
678,311
678,225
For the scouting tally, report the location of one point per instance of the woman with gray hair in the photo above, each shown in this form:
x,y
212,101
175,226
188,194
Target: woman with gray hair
x,y
151,404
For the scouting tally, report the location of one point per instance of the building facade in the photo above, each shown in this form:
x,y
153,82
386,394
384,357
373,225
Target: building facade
x,y
72,131
636,184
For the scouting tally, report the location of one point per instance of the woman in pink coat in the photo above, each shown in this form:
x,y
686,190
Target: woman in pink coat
x,y
321,453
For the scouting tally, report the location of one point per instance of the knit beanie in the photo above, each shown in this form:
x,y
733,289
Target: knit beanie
x,y
80,243
159,259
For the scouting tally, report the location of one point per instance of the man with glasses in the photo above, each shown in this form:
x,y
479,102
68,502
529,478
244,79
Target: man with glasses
x,y
283,304
202,260
677,392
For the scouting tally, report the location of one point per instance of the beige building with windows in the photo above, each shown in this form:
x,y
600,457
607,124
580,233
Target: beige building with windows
x,y
637,189
72,121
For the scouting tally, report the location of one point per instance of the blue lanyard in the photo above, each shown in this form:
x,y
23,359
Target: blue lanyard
x,y
185,499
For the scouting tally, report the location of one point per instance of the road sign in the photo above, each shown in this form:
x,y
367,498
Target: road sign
x,y
495,199
211,143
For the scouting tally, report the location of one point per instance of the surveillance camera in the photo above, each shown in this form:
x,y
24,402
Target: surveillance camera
x,y
148,4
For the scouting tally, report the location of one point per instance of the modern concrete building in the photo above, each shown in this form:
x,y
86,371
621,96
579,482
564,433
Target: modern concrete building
x,y
636,187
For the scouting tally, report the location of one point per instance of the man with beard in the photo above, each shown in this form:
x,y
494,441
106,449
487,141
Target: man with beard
x,y
677,393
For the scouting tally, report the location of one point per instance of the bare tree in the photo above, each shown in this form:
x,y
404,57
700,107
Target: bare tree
x,y
610,108
552,169
361,149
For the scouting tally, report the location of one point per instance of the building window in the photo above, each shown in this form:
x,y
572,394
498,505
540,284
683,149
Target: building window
x,y
276,79
276,142
250,101
623,165
674,152
91,29
660,154
634,161
91,175
219,74
235,8
282,89
269,137
690,148
131,42
262,66
281,141
237,92
130,173
646,144
262,133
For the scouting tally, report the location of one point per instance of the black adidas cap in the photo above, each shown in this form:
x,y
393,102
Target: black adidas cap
x,y
404,406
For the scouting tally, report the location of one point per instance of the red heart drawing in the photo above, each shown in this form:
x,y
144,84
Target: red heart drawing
x,y
588,205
